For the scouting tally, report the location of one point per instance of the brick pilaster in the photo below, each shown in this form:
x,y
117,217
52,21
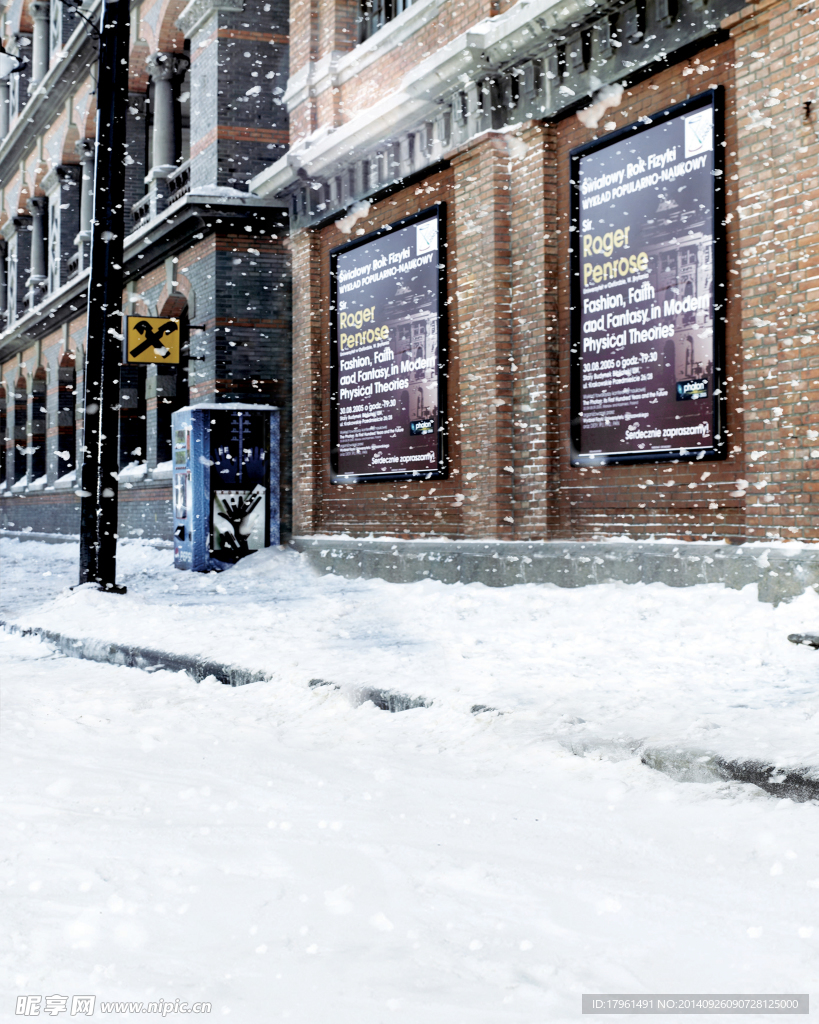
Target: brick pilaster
x,y
483,234
238,73
307,382
534,364
774,245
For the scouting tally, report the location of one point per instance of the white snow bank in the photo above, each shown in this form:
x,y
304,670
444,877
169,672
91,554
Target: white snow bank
x,y
602,667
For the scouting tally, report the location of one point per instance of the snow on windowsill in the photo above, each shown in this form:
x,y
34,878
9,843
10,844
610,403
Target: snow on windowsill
x,y
133,471
163,470
66,481
223,191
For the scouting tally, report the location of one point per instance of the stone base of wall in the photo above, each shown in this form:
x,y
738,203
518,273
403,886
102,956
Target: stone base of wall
x,y
145,510
781,571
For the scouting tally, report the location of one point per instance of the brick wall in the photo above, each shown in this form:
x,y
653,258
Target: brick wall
x,y
534,325
774,260
511,477
144,511
482,267
238,74
309,317
136,141
238,289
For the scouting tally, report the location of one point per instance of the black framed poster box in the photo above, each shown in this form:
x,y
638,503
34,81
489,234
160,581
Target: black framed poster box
x,y
388,352
648,289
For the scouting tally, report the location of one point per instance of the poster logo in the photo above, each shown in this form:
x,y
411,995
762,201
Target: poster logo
x,y
688,389
699,132
238,520
426,237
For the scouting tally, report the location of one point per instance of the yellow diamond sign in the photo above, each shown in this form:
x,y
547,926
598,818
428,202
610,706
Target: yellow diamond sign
x,y
152,339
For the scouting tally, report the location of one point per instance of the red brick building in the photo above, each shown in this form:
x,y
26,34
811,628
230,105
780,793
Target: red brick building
x,y
395,108
475,105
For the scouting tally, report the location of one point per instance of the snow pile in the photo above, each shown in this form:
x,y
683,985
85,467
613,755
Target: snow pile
x,y
610,668
609,96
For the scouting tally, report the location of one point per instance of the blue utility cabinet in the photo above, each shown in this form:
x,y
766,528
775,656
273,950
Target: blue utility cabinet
x,y
225,483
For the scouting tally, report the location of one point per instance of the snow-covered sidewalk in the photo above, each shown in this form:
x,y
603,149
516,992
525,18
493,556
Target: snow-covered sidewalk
x,y
284,855
287,853
609,667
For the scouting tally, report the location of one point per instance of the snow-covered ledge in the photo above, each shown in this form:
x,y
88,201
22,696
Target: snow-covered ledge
x,y
336,68
781,570
134,472
475,51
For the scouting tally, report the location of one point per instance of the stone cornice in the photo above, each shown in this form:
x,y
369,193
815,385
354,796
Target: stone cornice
x,y
13,225
163,67
537,60
415,95
59,174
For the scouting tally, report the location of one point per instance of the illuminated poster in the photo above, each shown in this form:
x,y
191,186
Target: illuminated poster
x,y
648,290
387,352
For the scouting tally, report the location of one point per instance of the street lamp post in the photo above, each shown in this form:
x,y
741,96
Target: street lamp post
x,y
100,456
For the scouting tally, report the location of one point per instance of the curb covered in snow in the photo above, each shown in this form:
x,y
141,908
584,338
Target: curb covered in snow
x,y
685,765
805,639
148,659
144,658
797,784
781,571
386,700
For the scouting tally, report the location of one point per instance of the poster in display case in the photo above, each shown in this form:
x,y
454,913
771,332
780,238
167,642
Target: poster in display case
x,y
648,290
388,352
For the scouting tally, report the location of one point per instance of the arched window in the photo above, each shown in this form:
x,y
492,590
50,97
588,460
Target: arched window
x,y
689,355
3,422
133,429
20,430
66,415
37,442
689,317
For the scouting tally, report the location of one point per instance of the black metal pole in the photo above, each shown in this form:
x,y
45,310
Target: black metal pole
x,y
100,463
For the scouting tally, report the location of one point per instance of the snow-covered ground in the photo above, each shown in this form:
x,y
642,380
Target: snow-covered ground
x,y
289,854
601,667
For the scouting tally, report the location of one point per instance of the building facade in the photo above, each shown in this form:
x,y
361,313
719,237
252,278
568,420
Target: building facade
x,y
205,114
477,106
259,142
